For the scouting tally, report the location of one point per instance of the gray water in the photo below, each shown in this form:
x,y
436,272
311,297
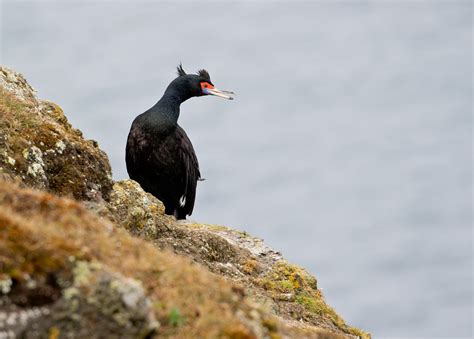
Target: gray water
x,y
348,146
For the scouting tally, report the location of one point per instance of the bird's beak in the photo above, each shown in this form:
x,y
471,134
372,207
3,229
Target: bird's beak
x,y
219,93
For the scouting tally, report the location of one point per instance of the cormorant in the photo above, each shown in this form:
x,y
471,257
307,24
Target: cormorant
x,y
159,154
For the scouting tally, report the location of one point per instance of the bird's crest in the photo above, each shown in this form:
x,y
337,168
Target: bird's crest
x,y
180,70
202,73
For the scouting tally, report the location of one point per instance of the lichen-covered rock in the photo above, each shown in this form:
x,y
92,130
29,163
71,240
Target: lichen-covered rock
x,y
139,212
98,304
142,214
289,291
17,85
39,148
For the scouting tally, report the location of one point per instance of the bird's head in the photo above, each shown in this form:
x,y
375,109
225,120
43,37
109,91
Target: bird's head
x,y
199,84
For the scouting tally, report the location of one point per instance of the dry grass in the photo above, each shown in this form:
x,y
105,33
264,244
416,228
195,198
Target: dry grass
x,y
42,235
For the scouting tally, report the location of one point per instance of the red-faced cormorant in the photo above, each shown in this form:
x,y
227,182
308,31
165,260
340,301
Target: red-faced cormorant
x,y
159,154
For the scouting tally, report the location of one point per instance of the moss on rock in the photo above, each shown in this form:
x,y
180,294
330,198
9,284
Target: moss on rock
x,y
288,290
40,148
86,272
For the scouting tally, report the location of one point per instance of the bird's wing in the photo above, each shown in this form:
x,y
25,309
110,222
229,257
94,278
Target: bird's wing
x,y
136,151
152,161
191,170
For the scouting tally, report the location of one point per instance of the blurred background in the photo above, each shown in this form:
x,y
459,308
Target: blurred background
x,y
348,147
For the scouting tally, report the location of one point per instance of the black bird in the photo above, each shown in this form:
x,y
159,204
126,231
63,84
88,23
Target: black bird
x,y
159,154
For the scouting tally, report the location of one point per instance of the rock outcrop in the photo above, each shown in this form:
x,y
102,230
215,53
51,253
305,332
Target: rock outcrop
x,y
38,147
82,256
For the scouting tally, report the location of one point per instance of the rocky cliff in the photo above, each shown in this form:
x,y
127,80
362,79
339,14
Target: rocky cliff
x,y
83,256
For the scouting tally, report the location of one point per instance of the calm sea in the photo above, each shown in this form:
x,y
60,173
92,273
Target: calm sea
x,y
348,146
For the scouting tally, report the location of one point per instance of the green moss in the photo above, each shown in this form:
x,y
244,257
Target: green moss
x,y
287,278
175,319
285,286
316,304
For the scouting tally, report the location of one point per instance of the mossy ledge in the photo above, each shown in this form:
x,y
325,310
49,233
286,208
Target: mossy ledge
x,y
82,256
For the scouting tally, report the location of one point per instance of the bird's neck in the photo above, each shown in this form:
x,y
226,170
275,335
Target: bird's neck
x,y
168,105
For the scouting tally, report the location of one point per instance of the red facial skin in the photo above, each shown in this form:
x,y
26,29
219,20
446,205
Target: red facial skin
x,y
206,85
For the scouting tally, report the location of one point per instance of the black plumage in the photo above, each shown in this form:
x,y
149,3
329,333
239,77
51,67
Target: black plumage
x,y
159,154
